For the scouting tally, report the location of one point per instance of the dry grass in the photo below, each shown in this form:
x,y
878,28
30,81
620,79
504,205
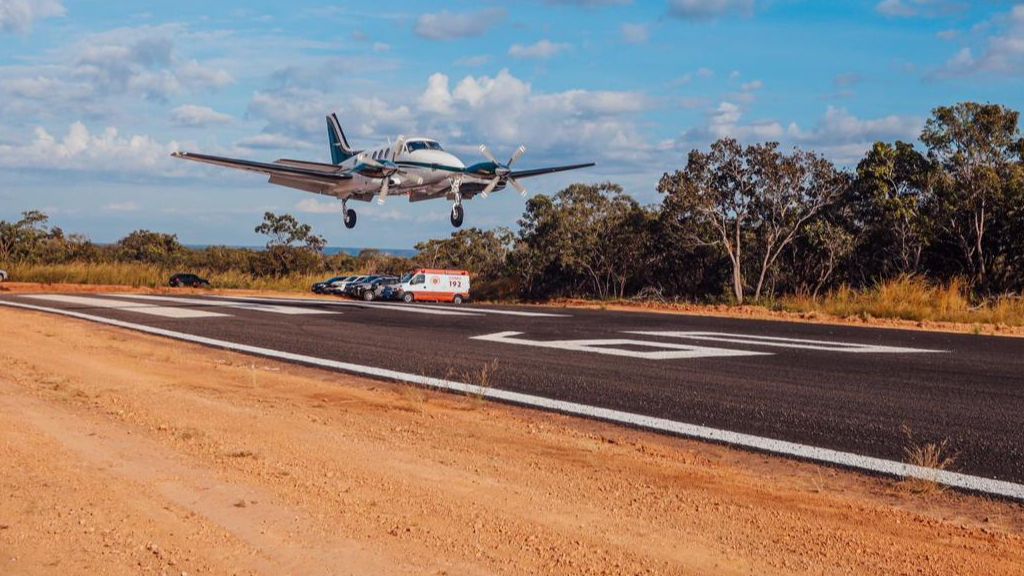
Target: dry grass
x,y
932,455
149,275
911,298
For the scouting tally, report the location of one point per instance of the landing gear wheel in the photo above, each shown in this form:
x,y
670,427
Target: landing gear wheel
x,y
350,218
457,215
408,297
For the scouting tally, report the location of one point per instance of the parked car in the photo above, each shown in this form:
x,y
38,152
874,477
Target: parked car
x,y
322,287
435,286
3,276
373,289
338,288
188,281
355,289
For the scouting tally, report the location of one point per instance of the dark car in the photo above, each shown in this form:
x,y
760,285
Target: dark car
x,y
357,288
374,289
323,287
188,281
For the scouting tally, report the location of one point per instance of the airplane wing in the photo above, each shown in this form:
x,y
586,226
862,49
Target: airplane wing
x,y
313,177
552,170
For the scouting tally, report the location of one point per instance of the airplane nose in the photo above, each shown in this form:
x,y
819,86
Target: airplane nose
x,y
452,160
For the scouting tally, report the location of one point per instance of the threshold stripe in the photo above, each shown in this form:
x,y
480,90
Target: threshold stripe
x,y
128,306
759,443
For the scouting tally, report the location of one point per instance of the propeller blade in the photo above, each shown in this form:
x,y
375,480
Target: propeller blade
x,y
517,186
384,190
516,155
398,147
487,154
490,187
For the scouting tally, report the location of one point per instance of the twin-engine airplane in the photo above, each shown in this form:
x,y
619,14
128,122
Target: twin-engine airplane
x,y
415,167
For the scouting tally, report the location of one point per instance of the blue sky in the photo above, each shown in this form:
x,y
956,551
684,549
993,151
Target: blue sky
x,y
94,95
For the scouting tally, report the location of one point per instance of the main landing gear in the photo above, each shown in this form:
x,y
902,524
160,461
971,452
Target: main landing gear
x,y
457,215
350,215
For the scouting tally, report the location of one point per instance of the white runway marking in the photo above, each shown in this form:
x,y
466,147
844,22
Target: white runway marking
x,y
798,343
128,306
273,309
504,312
614,347
803,451
416,309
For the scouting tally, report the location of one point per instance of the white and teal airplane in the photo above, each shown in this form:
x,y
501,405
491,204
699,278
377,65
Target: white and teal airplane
x,y
415,167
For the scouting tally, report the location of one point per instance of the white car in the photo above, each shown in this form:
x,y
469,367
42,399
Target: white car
x,y
3,275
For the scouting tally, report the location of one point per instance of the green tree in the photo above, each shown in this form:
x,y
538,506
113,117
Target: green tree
x,y
151,247
23,239
974,146
285,230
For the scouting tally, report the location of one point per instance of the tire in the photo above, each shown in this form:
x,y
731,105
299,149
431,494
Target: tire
x,y
457,215
408,298
350,218
368,295
457,299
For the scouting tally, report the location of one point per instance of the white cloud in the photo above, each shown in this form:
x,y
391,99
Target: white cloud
x,y
197,116
20,15
1001,53
314,206
270,141
436,98
541,50
918,8
838,135
709,9
635,33
80,150
452,26
504,111
128,206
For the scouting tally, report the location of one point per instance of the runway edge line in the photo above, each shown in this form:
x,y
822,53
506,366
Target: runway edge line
x,y
781,447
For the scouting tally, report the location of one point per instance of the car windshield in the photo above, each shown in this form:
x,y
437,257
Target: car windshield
x,y
423,145
405,278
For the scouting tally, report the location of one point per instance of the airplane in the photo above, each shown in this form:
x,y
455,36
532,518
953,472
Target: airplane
x,y
415,167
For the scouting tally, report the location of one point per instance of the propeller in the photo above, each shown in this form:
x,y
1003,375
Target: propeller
x,y
502,172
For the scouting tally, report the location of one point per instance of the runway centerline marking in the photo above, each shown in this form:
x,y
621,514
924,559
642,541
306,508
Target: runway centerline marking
x,y
797,343
273,309
749,441
129,306
608,346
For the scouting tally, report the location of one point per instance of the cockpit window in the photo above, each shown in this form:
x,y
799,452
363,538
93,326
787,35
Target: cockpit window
x,y
423,145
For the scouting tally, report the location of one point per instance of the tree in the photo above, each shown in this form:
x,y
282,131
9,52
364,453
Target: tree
x,y
23,239
790,192
894,197
285,230
974,145
710,201
586,239
151,247
484,253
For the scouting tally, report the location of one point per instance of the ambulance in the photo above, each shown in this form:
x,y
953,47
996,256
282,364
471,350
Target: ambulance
x,y
427,285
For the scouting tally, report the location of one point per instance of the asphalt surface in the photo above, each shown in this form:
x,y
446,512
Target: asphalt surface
x,y
812,384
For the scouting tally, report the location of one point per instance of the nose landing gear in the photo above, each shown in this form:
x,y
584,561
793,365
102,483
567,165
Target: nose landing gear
x,y
457,212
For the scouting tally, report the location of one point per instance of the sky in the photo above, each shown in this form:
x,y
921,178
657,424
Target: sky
x,y
95,95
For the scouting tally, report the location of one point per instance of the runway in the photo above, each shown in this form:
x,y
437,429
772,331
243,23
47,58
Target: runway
x,y
804,390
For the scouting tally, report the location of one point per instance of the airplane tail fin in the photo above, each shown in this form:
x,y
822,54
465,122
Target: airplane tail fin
x,y
340,149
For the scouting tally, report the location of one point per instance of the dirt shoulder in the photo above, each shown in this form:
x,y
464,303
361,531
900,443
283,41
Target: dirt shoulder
x,y
127,454
720,311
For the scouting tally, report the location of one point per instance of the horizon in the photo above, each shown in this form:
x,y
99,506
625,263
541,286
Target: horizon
x,y
95,97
